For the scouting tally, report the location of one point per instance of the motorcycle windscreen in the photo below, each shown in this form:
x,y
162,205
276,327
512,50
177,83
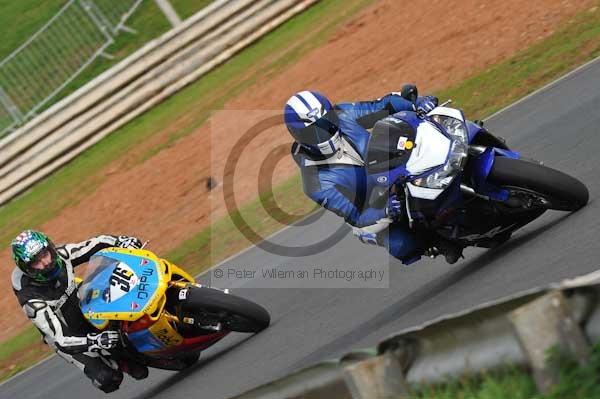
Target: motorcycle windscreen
x,y
390,145
118,286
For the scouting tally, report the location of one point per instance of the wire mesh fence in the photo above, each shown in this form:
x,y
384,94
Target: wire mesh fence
x,y
112,13
50,59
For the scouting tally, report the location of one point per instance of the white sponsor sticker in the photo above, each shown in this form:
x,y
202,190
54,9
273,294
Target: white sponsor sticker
x,y
183,294
402,143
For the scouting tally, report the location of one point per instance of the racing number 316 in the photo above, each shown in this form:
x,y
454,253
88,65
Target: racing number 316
x,y
120,277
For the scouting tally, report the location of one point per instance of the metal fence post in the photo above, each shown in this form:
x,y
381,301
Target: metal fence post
x,y
379,377
167,9
101,22
544,324
97,17
10,107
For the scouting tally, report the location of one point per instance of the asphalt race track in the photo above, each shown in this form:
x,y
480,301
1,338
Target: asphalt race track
x,y
559,125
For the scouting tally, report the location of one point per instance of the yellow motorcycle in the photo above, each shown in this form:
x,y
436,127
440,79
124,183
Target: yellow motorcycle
x,y
165,318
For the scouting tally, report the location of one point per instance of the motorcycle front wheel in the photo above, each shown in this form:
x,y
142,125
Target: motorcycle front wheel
x,y
552,188
233,312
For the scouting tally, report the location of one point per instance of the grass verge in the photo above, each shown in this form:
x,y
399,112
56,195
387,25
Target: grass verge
x,y
503,83
187,8
21,352
21,19
575,383
511,382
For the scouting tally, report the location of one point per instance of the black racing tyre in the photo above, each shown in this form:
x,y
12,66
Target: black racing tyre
x,y
236,313
189,359
558,190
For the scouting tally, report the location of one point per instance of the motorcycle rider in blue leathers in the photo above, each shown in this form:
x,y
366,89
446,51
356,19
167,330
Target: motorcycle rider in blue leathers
x,y
331,147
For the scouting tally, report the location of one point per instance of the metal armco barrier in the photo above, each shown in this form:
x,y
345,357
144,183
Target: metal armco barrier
x,y
138,83
519,329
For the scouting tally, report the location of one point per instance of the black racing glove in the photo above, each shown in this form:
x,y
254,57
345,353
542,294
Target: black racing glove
x,y
129,242
105,340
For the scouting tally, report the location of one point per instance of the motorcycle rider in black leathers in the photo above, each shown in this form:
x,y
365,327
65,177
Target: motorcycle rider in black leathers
x,y
44,283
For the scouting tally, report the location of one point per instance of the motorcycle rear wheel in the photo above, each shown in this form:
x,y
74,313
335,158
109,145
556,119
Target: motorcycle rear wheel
x,y
555,189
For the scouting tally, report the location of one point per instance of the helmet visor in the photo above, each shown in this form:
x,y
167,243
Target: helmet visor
x,y
320,131
44,264
42,260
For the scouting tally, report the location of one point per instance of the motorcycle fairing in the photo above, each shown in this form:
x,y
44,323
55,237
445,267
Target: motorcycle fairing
x,y
126,285
431,149
156,337
481,167
478,135
145,341
424,192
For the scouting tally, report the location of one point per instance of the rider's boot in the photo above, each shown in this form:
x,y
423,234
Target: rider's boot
x,y
451,251
453,255
134,369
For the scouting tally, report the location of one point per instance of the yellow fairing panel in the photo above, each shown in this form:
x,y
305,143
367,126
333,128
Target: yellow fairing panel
x,y
135,288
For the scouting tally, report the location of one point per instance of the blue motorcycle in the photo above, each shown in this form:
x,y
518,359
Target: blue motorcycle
x,y
460,183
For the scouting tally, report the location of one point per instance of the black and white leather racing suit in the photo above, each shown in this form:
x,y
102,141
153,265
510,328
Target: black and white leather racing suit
x,y
53,307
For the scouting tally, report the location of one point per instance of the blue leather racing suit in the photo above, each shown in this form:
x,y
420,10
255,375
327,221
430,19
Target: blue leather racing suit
x,y
339,183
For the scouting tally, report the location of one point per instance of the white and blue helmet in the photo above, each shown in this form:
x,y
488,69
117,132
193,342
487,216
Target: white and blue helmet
x,y
312,121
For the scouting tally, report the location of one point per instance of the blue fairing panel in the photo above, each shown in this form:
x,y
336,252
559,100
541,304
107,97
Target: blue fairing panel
x,y
482,165
473,130
145,341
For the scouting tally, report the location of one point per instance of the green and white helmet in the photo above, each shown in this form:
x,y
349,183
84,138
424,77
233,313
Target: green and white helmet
x,y
28,248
